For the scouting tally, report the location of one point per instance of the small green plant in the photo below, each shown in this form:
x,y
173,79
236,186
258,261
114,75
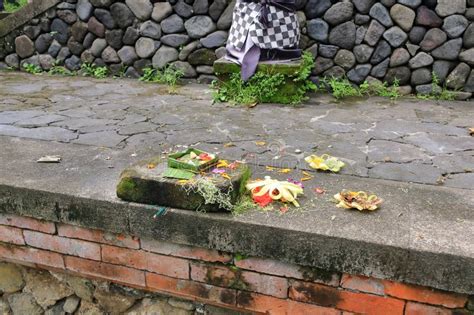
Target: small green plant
x,y
169,75
437,92
31,68
342,87
380,89
266,87
91,70
14,6
60,70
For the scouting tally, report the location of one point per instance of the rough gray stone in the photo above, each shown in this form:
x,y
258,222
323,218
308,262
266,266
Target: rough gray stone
x,y
201,6
24,303
32,31
122,15
335,72
150,29
216,9
183,9
161,10
105,18
449,7
468,37
24,46
127,55
316,8
76,48
395,36
427,17
79,31
225,20
345,59
141,8
63,54
109,55
422,59
61,30
84,9
67,16
205,69
469,85
381,14
421,76
360,34
172,24
412,49
202,56
46,61
322,64
455,25
328,51
380,70
428,89
359,73
145,47
449,50
88,40
343,35
382,51
416,34
402,74
432,39
361,19
199,26
441,68
175,40
363,53
12,61
363,6
215,39
186,68
95,27
374,32
403,16
101,3
467,56
87,57
131,35
458,76
73,63
411,3
98,47
112,302
318,30
188,49
400,56
339,13
163,56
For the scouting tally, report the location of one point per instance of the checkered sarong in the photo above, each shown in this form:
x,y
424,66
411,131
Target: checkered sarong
x,y
282,31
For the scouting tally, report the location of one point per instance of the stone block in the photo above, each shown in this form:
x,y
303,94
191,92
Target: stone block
x,y
141,184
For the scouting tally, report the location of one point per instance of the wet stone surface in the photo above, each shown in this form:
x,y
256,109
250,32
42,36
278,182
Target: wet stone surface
x,y
404,140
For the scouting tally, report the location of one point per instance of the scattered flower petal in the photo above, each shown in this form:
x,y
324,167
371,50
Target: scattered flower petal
x,y
150,166
260,143
319,190
325,162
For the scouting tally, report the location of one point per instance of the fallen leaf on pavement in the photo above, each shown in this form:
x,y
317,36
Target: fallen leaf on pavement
x,y
260,143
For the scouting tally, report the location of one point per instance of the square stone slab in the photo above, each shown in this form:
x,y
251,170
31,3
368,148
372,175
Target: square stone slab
x,y
140,184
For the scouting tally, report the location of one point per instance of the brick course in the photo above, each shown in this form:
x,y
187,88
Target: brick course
x,y
251,284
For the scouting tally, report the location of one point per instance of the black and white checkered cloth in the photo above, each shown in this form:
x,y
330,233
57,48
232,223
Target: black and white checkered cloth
x,y
282,31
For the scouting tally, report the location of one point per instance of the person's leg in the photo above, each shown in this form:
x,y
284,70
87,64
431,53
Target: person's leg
x,y
1,6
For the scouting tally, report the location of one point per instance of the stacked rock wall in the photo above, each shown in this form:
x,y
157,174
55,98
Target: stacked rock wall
x,y
385,40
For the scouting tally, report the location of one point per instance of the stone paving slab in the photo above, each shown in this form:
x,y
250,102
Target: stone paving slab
x,y
422,234
406,140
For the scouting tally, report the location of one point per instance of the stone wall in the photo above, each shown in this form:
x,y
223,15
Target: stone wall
x,y
98,272
362,39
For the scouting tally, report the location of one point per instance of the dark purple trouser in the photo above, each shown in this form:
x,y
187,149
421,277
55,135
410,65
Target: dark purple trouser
x,y
1,5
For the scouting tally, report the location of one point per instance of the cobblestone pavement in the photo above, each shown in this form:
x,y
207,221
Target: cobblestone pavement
x,y
408,140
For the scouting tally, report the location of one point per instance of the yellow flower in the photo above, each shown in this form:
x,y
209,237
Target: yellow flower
x,y
277,190
325,162
359,200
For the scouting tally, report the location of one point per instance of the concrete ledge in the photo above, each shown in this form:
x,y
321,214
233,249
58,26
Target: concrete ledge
x,y
422,235
4,15
25,14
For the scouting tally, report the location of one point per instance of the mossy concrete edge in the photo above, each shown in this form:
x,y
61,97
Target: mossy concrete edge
x,y
25,14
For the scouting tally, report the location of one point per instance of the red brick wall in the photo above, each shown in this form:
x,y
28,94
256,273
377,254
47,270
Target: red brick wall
x,y
208,276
